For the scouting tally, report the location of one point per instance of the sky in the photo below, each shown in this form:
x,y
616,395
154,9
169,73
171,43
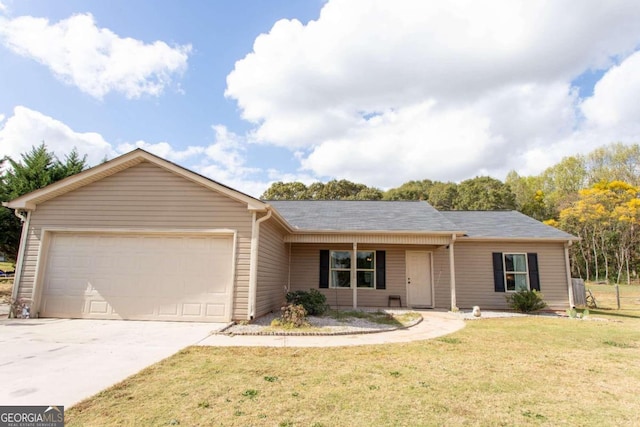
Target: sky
x,y
250,92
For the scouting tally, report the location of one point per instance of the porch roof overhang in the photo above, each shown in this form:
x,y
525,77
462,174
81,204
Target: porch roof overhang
x,y
520,239
371,237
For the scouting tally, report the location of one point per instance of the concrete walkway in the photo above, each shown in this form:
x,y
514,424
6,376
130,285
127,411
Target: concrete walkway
x,y
434,324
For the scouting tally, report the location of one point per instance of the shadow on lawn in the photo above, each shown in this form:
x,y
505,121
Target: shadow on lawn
x,y
617,313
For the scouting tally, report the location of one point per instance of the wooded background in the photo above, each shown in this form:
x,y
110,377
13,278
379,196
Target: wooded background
x,y
594,197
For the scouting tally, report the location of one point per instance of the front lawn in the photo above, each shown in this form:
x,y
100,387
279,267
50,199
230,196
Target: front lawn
x,y
513,371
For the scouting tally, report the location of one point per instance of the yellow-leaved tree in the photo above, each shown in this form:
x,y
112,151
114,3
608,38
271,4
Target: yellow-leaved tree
x,y
606,217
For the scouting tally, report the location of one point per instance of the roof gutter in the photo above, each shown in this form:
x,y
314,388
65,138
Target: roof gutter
x,y
253,263
390,232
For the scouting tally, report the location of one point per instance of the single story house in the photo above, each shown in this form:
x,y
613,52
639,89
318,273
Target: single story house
x,y
139,237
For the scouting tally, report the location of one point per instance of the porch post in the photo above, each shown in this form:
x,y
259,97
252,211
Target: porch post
x,y
354,274
567,264
452,273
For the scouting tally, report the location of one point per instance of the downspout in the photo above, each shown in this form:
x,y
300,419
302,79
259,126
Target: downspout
x,y
26,221
288,289
452,272
253,266
354,274
568,267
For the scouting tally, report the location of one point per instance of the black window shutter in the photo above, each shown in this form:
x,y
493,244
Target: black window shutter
x,y
534,277
498,272
381,269
324,268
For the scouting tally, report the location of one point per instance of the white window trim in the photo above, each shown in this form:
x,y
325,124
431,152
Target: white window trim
x,y
332,269
354,268
505,272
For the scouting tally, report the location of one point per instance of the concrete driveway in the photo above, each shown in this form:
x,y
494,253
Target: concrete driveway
x,y
63,361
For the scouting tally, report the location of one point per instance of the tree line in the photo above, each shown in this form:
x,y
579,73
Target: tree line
x,y
594,197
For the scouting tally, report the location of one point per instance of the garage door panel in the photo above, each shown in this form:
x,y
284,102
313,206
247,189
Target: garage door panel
x,y
142,277
215,310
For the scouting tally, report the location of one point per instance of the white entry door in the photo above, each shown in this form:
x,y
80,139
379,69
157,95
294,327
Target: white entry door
x,y
419,279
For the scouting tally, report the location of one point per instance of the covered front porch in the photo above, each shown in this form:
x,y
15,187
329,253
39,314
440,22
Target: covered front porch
x,y
375,270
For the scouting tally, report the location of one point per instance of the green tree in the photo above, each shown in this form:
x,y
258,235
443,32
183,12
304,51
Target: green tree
x,y
36,169
531,200
614,162
332,190
286,191
561,182
484,194
443,195
411,190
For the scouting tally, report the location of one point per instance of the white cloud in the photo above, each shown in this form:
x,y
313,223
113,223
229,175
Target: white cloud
x,y
386,91
28,128
161,149
615,101
94,59
223,160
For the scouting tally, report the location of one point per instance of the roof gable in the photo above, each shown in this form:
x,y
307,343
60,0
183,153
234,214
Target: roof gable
x,y
29,201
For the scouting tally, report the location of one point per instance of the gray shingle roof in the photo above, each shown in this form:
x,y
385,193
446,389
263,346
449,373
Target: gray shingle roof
x,y
506,224
347,215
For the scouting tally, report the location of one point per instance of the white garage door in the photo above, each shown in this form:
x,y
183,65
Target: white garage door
x,y
141,277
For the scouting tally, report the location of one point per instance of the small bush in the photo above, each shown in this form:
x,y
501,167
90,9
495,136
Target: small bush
x,y
526,301
293,316
314,302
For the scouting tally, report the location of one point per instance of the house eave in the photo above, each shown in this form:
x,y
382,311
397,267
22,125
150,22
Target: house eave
x,y
371,237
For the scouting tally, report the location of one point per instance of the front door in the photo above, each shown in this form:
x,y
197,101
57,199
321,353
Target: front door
x,y
419,279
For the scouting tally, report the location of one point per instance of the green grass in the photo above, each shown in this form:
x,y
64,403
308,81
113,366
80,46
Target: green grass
x,y
607,305
7,266
6,283
514,371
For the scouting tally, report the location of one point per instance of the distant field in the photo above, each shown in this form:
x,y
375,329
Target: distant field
x,y
6,283
606,299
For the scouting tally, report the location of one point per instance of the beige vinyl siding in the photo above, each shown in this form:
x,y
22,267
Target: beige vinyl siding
x,y
305,273
474,273
273,261
441,278
144,196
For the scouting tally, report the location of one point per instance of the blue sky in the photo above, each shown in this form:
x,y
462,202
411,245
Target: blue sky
x,y
380,92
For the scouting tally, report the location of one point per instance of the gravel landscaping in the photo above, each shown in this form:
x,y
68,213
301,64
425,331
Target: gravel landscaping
x,y
321,325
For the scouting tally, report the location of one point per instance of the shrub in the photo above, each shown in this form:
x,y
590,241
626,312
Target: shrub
x,y
314,302
526,301
294,316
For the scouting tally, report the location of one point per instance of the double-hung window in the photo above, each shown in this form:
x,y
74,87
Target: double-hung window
x,y
516,275
513,272
340,269
366,269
